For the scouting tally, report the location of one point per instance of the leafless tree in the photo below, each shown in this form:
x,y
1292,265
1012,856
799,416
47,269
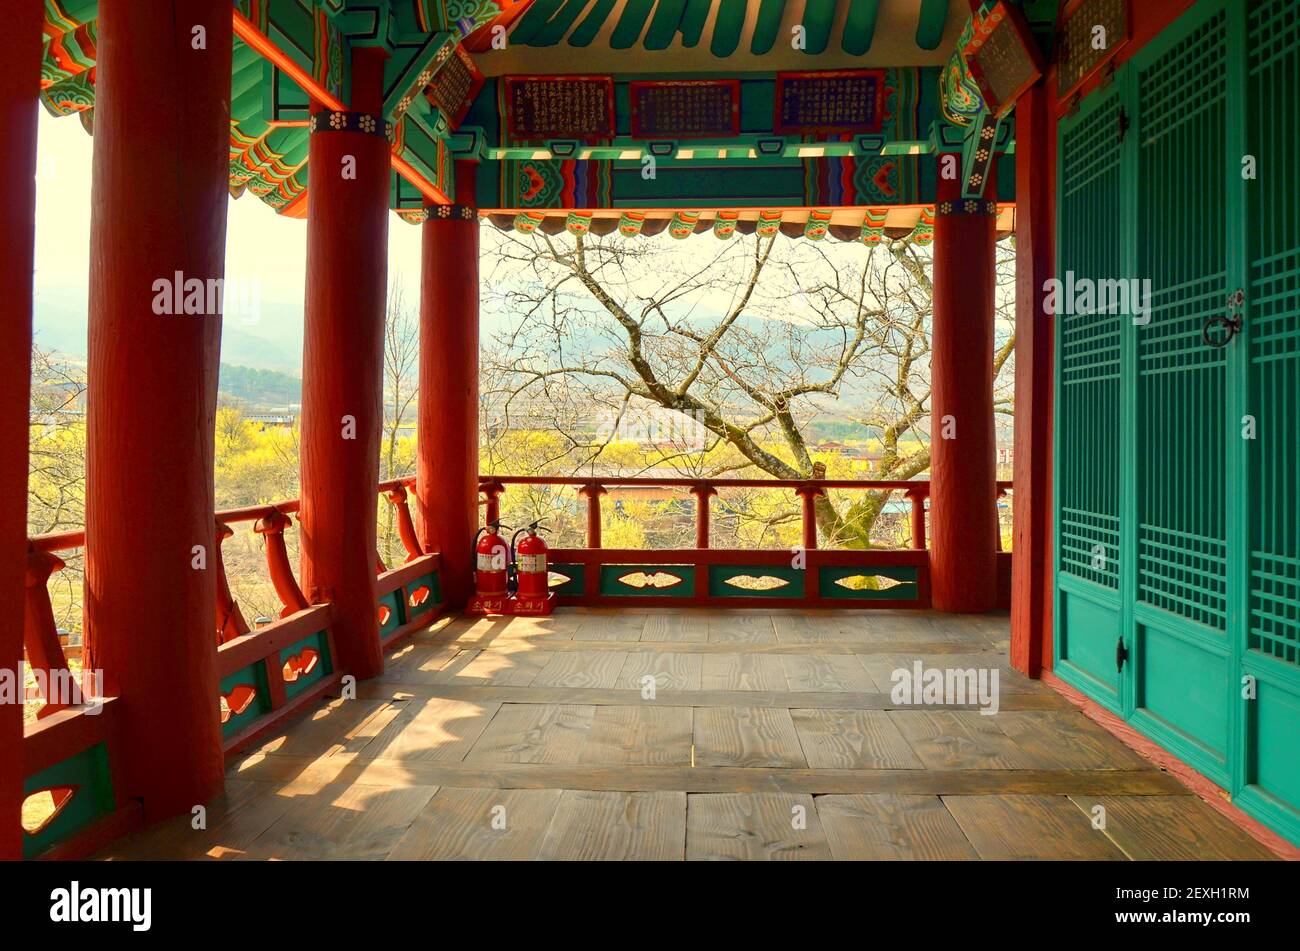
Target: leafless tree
x,y
401,388
754,338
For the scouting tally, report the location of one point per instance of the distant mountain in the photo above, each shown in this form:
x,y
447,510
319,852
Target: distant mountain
x,y
60,324
255,388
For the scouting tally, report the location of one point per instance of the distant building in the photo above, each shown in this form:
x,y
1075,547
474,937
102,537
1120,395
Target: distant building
x,y
272,419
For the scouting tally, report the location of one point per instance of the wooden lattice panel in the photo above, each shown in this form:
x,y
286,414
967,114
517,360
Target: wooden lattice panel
x,y
1077,55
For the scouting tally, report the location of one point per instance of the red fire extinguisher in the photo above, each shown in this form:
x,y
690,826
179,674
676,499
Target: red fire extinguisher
x,y
491,568
531,582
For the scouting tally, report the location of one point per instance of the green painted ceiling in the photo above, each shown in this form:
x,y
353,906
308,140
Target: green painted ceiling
x,y
747,34
750,39
654,25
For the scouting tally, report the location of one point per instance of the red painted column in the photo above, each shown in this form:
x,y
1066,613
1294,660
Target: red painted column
x,y
446,487
20,73
158,208
342,363
963,474
1031,550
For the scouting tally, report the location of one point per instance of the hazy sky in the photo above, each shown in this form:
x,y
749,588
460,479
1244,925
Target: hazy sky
x,y
261,247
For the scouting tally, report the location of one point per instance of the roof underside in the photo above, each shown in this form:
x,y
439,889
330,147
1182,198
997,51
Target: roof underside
x,y
288,53
868,225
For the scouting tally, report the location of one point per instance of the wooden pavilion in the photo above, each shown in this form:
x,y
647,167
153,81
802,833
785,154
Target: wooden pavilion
x,y
1154,578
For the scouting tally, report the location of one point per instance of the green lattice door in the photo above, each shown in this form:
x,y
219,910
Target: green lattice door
x,y
1269,349
1178,461
1183,201
1088,399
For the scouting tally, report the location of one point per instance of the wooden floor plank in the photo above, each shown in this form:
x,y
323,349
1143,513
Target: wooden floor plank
x,y
753,827
534,733
414,662
745,675
582,669
746,736
433,730
668,671
342,821
544,725
746,671
1067,739
607,627
729,628
885,669
479,824
807,672
686,627
1170,828
604,826
504,668
323,730
907,646
853,739
963,740
355,740
646,735
499,772
803,629
233,820
1029,827
892,827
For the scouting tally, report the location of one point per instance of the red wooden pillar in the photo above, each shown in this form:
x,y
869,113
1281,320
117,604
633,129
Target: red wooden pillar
x,y
446,487
1031,550
20,73
158,217
342,363
963,474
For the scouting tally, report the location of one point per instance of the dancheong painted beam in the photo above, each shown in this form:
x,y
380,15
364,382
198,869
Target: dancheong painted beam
x,y
808,106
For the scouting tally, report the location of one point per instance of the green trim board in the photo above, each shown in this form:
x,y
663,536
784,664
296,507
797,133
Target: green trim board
x,y
725,581
906,587
253,676
612,585
395,601
433,583
576,575
1180,459
324,666
87,774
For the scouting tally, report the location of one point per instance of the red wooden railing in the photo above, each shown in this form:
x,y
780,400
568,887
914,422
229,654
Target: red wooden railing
x,y
64,734
285,665
709,564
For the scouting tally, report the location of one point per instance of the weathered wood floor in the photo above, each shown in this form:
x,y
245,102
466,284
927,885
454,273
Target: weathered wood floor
x,y
770,735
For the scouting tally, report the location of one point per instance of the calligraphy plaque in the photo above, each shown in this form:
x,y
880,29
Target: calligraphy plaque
x,y
454,86
559,107
685,109
1094,32
847,100
1003,58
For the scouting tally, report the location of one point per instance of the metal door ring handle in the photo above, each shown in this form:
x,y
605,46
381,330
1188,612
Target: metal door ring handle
x,y
1233,324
